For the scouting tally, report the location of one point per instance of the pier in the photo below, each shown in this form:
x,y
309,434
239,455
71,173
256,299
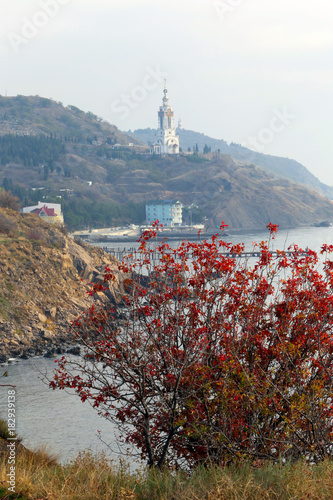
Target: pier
x,y
121,252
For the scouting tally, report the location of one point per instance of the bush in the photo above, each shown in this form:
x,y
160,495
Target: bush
x,y
4,432
7,225
34,235
7,200
215,360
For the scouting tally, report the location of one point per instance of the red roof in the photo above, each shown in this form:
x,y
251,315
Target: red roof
x,y
44,211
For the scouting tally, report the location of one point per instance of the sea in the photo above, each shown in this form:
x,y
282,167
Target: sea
x,y
58,420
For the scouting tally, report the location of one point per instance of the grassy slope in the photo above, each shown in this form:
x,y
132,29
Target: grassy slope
x,y
95,477
90,477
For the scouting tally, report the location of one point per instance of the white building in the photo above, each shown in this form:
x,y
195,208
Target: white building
x,y
168,212
166,139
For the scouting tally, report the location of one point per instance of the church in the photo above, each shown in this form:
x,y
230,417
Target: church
x,y
167,141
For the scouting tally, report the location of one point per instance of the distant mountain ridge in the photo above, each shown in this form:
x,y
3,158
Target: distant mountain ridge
x,y
103,177
279,166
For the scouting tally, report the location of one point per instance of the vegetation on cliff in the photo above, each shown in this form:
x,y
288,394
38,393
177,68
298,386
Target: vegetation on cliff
x,y
41,287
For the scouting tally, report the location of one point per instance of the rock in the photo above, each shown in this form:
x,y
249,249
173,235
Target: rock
x,y
28,332
5,374
53,312
75,350
25,341
17,352
49,354
48,335
99,279
42,318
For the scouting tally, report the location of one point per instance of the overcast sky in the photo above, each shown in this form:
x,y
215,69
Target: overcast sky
x,y
255,72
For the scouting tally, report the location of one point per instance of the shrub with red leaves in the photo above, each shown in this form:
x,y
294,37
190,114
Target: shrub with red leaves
x,y
216,359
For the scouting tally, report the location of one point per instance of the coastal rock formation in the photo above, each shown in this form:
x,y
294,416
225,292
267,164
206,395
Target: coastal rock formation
x,y
44,280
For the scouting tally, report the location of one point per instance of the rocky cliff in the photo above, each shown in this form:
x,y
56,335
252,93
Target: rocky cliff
x,y
44,276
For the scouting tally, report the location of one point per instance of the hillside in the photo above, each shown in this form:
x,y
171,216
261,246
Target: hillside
x,y
103,177
245,196
43,276
35,115
278,166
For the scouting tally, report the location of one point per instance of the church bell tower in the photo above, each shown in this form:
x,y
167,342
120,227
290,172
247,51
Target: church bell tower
x,y
167,141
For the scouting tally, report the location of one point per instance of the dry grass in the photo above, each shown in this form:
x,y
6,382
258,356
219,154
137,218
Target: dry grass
x,y
244,483
89,477
39,476
94,477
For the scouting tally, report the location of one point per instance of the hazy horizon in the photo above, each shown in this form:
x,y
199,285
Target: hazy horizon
x,y
255,73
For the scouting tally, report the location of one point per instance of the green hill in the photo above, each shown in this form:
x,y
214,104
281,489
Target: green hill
x,y
103,177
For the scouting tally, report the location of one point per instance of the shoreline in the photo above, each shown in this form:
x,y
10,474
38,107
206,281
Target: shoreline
x,y
49,350
181,235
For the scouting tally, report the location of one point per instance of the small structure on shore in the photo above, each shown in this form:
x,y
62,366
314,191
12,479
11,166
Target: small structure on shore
x,y
50,212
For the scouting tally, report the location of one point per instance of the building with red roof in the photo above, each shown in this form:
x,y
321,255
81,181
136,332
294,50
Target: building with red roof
x,y
50,212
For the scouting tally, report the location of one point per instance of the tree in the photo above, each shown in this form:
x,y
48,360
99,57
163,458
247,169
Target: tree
x,y
46,172
7,200
8,184
212,359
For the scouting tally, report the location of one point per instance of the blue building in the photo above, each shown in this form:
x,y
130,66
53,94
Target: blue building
x,y
168,212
